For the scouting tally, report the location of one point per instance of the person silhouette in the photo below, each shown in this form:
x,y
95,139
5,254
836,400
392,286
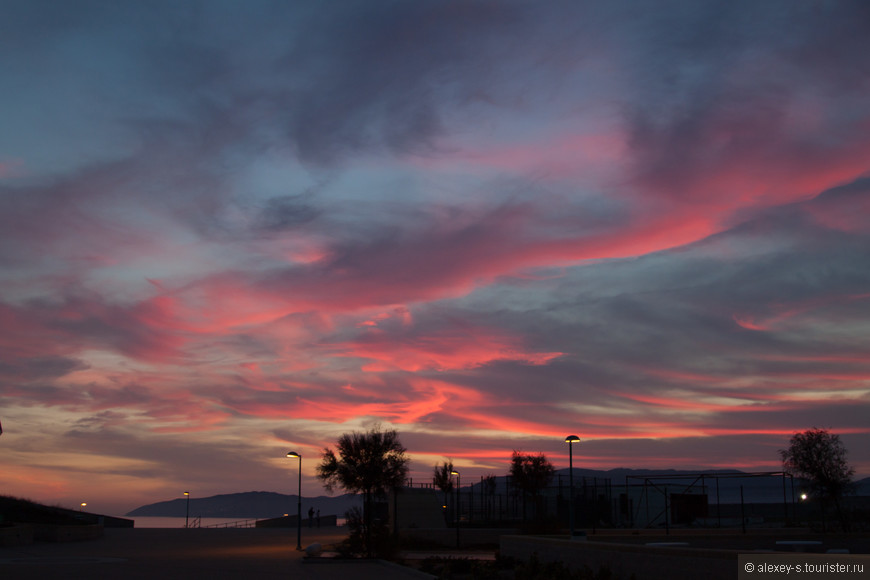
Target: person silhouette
x,y
311,517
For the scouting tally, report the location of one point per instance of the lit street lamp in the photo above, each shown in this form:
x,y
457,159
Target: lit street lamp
x,y
187,510
458,485
84,505
570,440
299,504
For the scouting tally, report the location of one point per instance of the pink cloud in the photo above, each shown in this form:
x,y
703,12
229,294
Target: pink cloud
x,y
141,330
747,158
461,346
431,265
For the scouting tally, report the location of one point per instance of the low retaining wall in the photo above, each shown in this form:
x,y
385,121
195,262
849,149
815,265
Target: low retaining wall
x,y
625,560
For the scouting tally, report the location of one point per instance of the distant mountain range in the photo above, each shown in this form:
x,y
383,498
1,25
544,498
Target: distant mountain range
x,y
251,504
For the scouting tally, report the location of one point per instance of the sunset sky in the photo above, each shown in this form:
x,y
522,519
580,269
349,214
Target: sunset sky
x,y
233,229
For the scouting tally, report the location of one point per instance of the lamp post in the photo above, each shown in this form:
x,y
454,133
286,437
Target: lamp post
x,y
458,485
187,510
299,502
84,505
571,440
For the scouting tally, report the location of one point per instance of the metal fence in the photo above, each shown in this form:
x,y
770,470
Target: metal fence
x,y
505,503
642,501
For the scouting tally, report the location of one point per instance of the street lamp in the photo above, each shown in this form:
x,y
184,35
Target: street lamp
x,y
458,485
84,505
571,440
299,502
187,510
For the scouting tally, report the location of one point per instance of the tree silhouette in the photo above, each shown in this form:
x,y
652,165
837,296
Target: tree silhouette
x,y
370,463
489,487
819,457
530,474
442,478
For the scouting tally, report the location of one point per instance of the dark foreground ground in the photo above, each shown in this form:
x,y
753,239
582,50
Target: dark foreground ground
x,y
170,554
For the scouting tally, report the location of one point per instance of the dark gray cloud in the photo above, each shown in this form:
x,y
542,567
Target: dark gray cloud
x,y
287,212
38,368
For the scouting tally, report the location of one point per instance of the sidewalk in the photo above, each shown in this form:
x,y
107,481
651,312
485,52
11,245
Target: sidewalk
x,y
180,554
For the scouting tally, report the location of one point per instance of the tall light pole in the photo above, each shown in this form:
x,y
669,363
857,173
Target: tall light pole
x,y
571,440
458,485
187,510
299,502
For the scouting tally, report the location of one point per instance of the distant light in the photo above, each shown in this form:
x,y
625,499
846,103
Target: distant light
x,y
187,493
454,473
803,497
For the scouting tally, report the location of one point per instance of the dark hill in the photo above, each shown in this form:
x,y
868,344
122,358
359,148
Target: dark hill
x,y
22,511
14,510
251,504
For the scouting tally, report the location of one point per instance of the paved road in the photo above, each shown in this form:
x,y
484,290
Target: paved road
x,y
173,554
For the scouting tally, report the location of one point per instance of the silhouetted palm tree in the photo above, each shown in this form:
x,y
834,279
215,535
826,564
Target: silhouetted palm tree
x,y
370,463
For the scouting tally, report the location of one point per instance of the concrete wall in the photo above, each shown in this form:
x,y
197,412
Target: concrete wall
x,y
623,560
